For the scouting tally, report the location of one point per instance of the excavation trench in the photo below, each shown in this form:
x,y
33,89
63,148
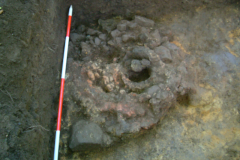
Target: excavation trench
x,y
205,36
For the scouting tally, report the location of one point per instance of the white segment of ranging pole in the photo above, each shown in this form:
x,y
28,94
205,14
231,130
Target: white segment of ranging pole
x,y
57,138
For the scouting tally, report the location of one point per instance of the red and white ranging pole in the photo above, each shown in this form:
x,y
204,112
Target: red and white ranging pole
x,y
56,149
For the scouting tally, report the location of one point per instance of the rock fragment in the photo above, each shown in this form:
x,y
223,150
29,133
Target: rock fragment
x,y
144,21
103,37
97,41
88,135
118,40
108,25
92,32
74,37
164,54
86,48
91,75
115,33
122,27
128,37
152,90
136,66
155,39
81,28
143,37
132,25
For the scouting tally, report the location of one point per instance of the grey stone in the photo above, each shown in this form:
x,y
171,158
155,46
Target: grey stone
x,y
155,35
115,33
132,25
144,30
105,48
88,135
108,25
121,27
136,66
111,43
164,54
162,95
139,52
97,41
81,28
144,21
118,40
74,37
103,37
86,48
128,37
92,32
145,62
155,39
152,89
143,37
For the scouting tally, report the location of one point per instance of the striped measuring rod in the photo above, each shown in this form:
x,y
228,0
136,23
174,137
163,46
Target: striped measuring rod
x,y
56,149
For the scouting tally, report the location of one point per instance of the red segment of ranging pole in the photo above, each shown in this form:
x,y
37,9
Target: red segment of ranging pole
x,y
56,149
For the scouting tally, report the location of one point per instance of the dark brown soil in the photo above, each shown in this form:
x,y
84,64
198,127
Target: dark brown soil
x,y
32,34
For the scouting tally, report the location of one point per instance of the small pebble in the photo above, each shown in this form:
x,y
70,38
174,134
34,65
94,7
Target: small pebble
x,y
121,27
122,91
97,41
103,37
111,42
115,33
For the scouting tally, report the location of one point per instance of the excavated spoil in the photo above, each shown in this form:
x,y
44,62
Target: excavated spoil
x,y
125,79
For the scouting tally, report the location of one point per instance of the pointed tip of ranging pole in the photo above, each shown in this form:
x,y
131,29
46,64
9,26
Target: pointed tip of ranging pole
x,y
70,11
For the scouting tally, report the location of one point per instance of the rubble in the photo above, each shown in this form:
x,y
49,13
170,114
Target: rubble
x,y
126,84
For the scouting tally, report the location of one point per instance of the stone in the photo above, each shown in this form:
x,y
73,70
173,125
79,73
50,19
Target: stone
x,y
81,28
115,33
92,32
97,41
111,43
153,89
74,37
166,32
87,135
132,25
145,62
121,27
103,37
155,35
136,66
105,48
108,25
91,75
86,48
144,30
144,21
164,54
118,40
143,37
155,39
127,37
139,52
